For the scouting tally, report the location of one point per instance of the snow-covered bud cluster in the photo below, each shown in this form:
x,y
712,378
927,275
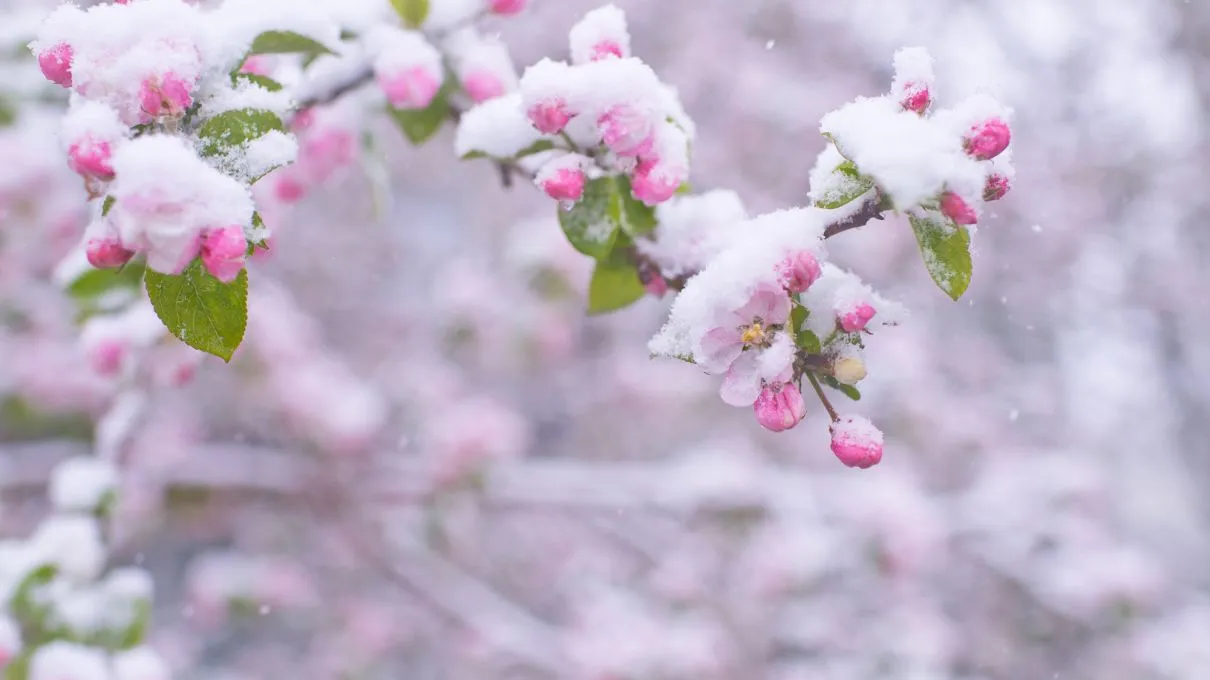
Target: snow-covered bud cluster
x,y
61,614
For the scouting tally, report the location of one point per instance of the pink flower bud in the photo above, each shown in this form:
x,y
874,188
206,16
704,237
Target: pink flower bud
x,y
56,64
224,251
988,139
917,98
107,253
288,189
482,86
302,120
507,7
654,182
106,356
656,286
954,207
256,65
996,187
856,442
166,97
412,88
607,49
798,271
549,116
856,317
563,184
779,407
627,130
90,157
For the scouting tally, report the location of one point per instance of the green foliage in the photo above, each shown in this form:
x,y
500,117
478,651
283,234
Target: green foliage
x,y
20,421
606,209
200,310
256,79
946,249
18,667
107,205
286,42
8,113
615,284
95,283
231,129
846,185
808,341
411,12
848,390
419,125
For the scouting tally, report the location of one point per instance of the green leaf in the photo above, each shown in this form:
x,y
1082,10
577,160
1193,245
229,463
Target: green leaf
x,y
412,12
233,128
107,205
537,147
848,390
809,341
200,310
25,604
946,249
286,42
18,667
8,113
845,185
798,316
635,217
256,79
96,282
419,125
615,284
136,632
606,209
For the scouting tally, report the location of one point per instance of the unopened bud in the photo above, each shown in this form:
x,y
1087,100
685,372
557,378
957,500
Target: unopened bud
x,y
107,252
779,407
507,7
654,182
56,64
856,441
627,130
411,88
562,178
855,317
798,271
957,209
165,97
917,98
224,252
482,86
549,116
91,158
988,139
849,370
996,187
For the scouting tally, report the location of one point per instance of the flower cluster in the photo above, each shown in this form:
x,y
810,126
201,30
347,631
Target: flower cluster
x,y
61,614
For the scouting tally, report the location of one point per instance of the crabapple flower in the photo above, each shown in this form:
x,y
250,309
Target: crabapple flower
x,y
165,96
224,251
627,130
485,69
997,187
482,86
957,209
546,89
912,86
81,484
563,178
854,316
988,139
89,157
507,7
408,69
856,441
103,246
91,130
798,271
55,63
601,34
662,171
779,406
747,327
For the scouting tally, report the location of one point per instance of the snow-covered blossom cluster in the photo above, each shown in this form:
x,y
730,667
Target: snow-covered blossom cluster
x,y
63,612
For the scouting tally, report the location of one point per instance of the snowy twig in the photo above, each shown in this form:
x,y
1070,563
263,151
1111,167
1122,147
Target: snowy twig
x,y
871,209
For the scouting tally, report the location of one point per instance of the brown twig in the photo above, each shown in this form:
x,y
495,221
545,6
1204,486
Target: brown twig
x,y
823,398
872,209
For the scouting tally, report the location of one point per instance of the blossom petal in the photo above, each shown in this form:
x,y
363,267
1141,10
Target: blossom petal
x,y
719,349
741,385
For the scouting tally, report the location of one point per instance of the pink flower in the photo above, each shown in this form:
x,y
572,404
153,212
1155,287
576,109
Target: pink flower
x,y
563,184
654,181
779,407
482,86
323,151
798,271
656,286
607,49
168,96
507,7
56,64
856,442
288,188
855,317
90,157
256,65
988,139
412,88
549,116
224,251
916,98
106,357
107,252
954,207
996,187
627,130
747,327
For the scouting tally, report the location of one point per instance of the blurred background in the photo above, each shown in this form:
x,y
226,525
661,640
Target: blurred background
x,y
427,462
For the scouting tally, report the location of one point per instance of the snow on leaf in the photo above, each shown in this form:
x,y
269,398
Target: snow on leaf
x,y
946,250
420,125
286,42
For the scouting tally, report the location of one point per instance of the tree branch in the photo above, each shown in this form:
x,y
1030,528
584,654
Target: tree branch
x,y
871,209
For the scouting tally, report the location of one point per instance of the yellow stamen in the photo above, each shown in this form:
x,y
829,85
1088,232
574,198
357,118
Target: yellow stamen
x,y
753,335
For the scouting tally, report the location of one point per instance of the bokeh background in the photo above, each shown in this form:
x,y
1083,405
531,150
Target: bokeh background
x,y
428,463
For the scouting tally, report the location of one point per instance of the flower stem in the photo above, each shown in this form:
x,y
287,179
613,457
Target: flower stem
x,y
823,398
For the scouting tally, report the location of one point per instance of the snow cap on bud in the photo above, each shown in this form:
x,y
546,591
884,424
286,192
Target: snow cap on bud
x,y
90,132
89,157
408,69
563,178
627,129
103,245
484,68
913,82
856,442
546,89
55,63
987,139
798,271
224,251
507,7
957,209
848,369
996,187
166,96
601,34
779,406
854,316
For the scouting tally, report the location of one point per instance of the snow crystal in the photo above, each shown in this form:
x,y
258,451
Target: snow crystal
x,y
617,81
728,280
61,659
689,225
497,127
80,484
271,150
73,542
858,430
244,95
604,26
912,158
970,112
